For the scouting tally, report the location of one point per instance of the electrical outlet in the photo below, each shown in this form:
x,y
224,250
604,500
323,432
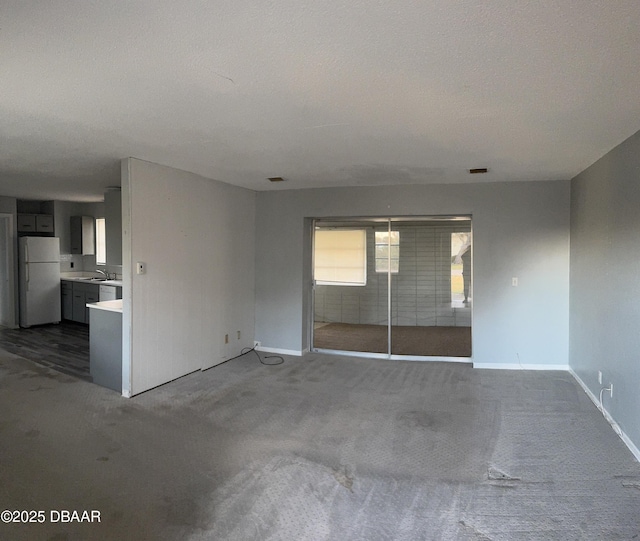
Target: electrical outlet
x,y
514,281
599,377
238,335
256,344
226,338
611,390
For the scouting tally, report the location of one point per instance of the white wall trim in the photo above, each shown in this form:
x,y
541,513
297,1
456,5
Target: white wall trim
x,y
281,351
386,356
516,366
616,427
634,450
566,368
423,359
127,278
346,353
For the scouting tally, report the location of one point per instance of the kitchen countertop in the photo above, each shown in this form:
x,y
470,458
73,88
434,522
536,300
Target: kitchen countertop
x,y
89,280
110,306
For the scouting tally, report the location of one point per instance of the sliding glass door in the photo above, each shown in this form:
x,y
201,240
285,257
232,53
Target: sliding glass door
x,y
350,296
393,286
429,315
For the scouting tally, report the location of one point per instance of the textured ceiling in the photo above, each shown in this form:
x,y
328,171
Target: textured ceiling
x,y
322,93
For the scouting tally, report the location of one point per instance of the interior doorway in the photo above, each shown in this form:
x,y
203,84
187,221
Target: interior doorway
x,y
393,287
7,272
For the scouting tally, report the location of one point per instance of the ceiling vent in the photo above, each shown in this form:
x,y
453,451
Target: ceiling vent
x,y
276,179
478,171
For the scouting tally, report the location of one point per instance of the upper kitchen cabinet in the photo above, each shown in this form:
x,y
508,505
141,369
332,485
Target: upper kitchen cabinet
x,y
83,235
35,218
113,225
44,223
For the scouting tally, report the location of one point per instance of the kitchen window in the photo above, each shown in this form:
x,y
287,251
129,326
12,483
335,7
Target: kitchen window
x,y
101,244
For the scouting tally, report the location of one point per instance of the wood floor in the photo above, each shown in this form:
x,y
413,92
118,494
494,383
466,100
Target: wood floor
x,y
63,347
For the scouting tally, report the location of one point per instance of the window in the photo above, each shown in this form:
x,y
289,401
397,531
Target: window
x,y
340,257
101,244
387,251
460,267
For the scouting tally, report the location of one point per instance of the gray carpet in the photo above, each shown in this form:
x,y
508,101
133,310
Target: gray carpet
x,y
319,448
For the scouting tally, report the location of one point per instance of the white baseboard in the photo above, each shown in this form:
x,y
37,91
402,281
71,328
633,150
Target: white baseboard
x,y
423,359
385,356
616,427
634,450
279,351
351,354
517,366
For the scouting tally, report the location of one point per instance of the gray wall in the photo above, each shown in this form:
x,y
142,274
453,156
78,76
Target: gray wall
x,y
420,291
605,280
196,239
63,210
520,230
8,205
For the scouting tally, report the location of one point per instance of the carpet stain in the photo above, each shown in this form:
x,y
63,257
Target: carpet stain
x,y
494,474
471,529
343,477
102,459
422,419
39,388
33,433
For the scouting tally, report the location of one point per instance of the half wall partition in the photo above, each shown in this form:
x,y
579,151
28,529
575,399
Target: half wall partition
x,y
393,287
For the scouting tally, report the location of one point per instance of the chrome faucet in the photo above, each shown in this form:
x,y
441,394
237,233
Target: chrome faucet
x,y
106,274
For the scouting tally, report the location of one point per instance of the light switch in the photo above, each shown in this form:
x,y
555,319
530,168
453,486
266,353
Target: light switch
x,y
141,268
514,281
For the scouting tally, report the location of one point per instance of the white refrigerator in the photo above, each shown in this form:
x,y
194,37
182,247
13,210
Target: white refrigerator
x,y
39,280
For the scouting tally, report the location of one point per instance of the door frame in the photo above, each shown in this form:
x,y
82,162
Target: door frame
x,y
8,243
389,220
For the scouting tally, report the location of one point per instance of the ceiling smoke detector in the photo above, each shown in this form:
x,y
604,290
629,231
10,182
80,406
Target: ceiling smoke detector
x,y
478,171
276,179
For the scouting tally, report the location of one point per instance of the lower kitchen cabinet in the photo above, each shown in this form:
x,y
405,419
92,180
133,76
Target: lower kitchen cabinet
x,y
66,289
78,309
90,296
110,293
75,296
